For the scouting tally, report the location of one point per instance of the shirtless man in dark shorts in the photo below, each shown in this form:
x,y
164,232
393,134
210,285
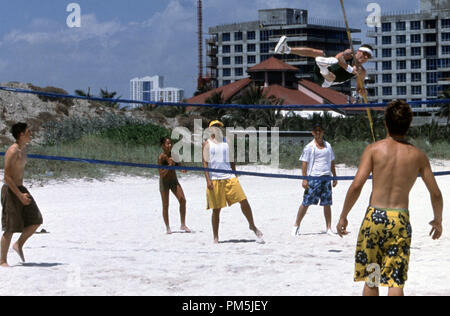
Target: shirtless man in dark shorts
x,y
20,213
384,241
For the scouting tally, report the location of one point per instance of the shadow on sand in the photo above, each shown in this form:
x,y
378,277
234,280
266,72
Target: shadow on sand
x,y
237,241
39,265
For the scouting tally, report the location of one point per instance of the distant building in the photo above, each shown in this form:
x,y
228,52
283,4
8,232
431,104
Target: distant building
x,y
152,89
412,57
233,48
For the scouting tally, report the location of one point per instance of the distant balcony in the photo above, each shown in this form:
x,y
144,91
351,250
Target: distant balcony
x,y
211,41
212,63
212,51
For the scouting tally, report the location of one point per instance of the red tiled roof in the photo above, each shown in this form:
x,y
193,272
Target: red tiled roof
x,y
228,91
272,64
330,95
290,96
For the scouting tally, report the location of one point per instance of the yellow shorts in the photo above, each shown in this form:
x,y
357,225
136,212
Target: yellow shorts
x,y
226,192
383,247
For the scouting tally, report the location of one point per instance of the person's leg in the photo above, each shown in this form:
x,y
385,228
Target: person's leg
x,y
307,52
327,213
247,211
165,212
370,291
26,234
300,215
396,291
5,243
215,224
178,191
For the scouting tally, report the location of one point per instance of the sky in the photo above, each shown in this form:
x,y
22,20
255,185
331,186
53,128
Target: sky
x,y
119,40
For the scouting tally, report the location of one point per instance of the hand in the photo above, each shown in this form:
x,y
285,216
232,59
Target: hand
x,y
436,230
362,92
341,227
25,198
210,185
305,184
335,183
171,162
183,171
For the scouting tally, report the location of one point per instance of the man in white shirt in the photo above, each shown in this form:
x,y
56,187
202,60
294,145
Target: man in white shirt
x,y
317,161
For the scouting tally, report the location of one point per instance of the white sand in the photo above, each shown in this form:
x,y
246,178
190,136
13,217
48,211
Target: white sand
x,y
107,238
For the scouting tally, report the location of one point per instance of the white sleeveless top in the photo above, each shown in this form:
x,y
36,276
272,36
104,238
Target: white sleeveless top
x,y
219,158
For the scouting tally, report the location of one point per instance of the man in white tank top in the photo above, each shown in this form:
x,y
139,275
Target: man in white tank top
x,y
223,189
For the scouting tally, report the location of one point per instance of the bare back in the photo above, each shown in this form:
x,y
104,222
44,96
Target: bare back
x,y
15,161
395,167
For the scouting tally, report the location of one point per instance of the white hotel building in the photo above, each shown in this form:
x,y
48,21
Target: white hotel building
x,y
152,89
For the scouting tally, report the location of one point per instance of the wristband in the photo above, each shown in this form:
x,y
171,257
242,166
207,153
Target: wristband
x,y
350,69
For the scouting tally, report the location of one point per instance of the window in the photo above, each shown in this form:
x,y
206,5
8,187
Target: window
x,y
226,72
416,76
415,38
226,37
401,52
264,48
444,63
251,59
401,77
147,86
415,90
226,49
400,39
446,37
238,36
386,40
387,90
432,64
416,51
400,26
430,24
416,64
387,65
445,50
401,90
387,52
386,27
238,48
226,60
251,35
445,23
430,51
415,25
225,82
430,38
238,72
146,96
432,77
251,48
238,60
387,78
401,64
433,91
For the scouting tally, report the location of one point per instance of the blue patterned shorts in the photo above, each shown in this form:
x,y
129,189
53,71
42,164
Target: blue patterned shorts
x,y
319,190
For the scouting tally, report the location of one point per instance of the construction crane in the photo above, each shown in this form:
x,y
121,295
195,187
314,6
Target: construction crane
x,y
201,81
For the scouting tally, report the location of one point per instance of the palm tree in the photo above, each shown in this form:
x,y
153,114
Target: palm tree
x,y
256,117
216,113
81,93
105,94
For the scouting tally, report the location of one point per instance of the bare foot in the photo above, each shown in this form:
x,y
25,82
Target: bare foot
x,y
168,231
257,232
216,241
5,265
185,229
19,251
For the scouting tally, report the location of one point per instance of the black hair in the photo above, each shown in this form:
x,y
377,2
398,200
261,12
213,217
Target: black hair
x,y
163,140
18,129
